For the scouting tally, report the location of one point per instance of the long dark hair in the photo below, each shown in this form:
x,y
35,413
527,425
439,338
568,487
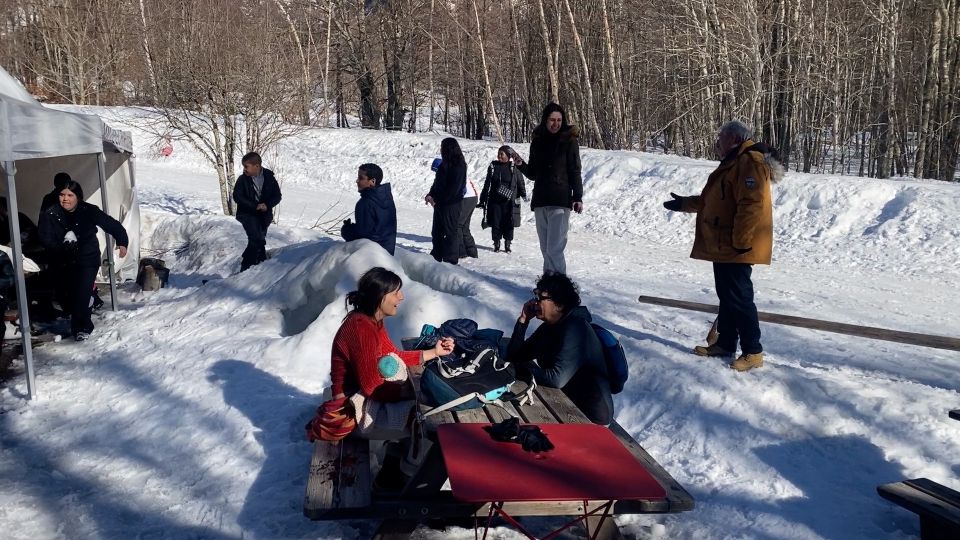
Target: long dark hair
x,y
74,187
450,152
373,285
547,111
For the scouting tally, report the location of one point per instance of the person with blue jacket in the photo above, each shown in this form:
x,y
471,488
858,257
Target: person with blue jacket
x,y
375,213
564,351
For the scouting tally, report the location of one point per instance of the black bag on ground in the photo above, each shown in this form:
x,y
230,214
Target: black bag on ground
x,y
158,267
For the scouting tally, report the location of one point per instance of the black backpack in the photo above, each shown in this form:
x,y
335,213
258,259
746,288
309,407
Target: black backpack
x,y
470,380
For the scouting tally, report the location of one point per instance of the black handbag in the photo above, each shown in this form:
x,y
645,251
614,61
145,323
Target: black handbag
x,y
505,192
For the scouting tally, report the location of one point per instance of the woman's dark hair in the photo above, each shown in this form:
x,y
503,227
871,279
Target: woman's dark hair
x,y
60,179
450,152
547,111
373,285
75,188
561,289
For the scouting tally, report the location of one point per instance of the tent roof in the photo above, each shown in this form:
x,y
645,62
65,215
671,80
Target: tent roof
x,y
28,130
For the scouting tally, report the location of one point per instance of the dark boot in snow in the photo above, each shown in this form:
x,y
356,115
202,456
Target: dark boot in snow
x,y
496,246
506,246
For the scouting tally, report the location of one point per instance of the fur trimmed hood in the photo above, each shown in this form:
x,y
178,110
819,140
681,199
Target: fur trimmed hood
x,y
772,158
565,133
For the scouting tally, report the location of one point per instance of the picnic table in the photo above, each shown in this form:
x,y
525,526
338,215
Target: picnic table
x,y
339,484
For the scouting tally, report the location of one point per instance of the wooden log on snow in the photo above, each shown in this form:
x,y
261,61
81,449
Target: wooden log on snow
x,y
910,338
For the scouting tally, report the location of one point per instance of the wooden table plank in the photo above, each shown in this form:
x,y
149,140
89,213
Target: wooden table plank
x,y
472,416
560,406
536,413
678,499
339,477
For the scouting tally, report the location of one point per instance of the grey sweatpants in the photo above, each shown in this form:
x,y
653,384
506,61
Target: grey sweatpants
x,y
552,225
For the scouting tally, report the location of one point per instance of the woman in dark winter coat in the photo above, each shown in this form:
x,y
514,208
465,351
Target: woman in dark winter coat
x,y
504,183
68,231
568,353
446,197
554,167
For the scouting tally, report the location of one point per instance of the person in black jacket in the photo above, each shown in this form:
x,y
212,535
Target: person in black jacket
x,y
53,198
554,167
256,194
69,233
446,197
375,212
504,183
568,353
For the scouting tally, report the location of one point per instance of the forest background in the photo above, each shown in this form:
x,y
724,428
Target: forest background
x,y
854,87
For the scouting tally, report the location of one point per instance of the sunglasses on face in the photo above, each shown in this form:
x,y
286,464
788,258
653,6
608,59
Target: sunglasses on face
x,y
539,297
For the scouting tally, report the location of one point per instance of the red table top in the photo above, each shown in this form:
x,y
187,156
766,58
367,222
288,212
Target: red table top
x,y
587,463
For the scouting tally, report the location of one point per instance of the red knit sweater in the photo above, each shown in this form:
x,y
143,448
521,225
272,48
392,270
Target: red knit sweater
x,y
357,347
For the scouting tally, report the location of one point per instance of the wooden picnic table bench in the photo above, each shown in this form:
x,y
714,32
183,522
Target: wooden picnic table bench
x,y
955,414
938,506
339,484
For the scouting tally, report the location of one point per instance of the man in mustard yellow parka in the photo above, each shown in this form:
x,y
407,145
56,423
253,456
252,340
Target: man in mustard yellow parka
x,y
734,232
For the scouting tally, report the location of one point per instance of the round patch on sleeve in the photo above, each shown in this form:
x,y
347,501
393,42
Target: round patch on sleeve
x,y
750,181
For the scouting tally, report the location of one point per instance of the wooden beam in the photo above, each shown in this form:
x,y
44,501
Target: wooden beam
x,y
910,338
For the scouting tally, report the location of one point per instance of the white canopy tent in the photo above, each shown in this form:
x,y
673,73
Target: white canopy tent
x,y
36,142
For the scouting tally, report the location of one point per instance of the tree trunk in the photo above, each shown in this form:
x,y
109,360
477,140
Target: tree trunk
x,y
551,65
486,75
588,84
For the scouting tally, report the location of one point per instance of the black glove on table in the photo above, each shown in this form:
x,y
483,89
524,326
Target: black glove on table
x,y
531,438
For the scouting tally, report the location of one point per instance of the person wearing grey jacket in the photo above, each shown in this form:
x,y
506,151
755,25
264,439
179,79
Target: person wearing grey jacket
x,y
563,352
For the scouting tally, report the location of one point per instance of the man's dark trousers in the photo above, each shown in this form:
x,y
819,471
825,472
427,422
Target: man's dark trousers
x,y
738,314
256,228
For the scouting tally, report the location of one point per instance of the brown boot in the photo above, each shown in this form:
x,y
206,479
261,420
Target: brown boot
x,y
747,362
711,350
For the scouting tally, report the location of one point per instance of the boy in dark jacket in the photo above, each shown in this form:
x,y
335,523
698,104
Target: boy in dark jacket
x,y
256,194
375,212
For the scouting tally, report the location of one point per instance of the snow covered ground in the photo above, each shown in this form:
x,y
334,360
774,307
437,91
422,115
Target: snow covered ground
x,y
183,416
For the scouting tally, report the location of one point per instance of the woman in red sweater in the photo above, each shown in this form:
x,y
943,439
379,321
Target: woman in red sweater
x,y
384,407
362,341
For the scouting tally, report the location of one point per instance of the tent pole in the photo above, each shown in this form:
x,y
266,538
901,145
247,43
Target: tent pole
x,y
102,168
23,303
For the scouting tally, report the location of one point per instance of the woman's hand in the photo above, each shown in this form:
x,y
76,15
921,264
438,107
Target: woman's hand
x,y
122,250
528,311
444,346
